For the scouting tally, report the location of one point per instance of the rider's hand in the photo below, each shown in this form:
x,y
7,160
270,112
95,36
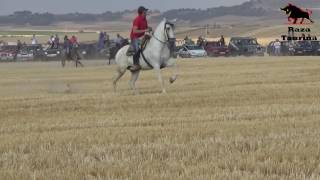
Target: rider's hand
x,y
149,29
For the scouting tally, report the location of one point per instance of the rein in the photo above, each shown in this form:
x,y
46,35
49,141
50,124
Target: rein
x,y
166,34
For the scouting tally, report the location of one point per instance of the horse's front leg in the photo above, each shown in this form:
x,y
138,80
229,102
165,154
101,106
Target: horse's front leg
x,y
174,77
158,72
301,20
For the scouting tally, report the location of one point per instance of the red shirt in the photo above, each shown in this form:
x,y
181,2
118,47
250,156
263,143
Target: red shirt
x,y
142,24
73,40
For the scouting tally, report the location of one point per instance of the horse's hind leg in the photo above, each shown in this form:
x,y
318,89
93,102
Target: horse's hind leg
x,y
301,20
132,82
79,62
120,72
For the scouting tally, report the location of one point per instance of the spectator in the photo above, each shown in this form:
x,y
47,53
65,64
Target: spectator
x,y
34,40
107,40
101,41
66,44
119,40
200,41
291,48
19,46
188,41
51,42
222,41
56,41
277,47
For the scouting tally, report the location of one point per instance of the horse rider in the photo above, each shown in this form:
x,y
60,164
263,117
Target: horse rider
x,y
74,45
139,28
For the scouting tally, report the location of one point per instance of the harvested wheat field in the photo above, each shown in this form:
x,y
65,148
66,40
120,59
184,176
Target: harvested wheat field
x,y
225,118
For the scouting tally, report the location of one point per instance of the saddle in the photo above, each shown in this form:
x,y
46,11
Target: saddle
x,y
145,40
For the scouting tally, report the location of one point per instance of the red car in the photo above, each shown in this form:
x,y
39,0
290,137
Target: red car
x,y
214,49
8,53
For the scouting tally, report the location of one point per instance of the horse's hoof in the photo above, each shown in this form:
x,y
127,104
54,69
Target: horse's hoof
x,y
172,80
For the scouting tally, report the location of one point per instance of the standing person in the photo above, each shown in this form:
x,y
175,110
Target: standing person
x,y
19,46
51,42
34,40
56,41
139,28
222,41
119,40
101,41
200,41
66,45
277,47
106,40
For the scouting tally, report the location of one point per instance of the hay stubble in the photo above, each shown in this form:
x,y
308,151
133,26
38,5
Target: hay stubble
x,y
236,118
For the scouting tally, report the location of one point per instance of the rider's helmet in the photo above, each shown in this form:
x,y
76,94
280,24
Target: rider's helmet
x,y
142,9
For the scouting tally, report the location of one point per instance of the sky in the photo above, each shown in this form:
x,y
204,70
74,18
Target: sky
x,y
98,6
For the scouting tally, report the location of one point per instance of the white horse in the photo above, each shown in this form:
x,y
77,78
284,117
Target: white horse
x,y
156,55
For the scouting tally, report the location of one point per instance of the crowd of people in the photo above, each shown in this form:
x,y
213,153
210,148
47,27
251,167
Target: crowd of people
x,y
202,41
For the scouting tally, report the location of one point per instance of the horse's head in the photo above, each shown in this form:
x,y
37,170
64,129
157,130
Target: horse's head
x,y
165,33
169,30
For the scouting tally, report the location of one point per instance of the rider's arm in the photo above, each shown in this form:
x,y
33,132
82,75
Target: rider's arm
x,y
136,30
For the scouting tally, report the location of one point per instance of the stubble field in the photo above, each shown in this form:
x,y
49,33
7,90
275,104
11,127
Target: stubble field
x,y
225,118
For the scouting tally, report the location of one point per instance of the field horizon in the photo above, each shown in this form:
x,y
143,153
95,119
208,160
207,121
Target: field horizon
x,y
229,26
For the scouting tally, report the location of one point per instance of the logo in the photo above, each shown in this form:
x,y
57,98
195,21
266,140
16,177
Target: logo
x,y
303,37
295,13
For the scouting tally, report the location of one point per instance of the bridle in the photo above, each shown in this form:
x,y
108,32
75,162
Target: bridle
x,y
165,34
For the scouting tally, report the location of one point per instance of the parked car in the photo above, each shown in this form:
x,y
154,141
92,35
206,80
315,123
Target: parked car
x,y
37,50
316,47
30,52
190,51
302,48
215,49
8,53
176,51
88,50
246,46
24,54
52,53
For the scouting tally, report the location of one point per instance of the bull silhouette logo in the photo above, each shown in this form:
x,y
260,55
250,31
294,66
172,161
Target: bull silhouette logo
x,y
294,13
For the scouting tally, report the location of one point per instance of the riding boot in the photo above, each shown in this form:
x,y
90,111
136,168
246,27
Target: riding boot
x,y
136,66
